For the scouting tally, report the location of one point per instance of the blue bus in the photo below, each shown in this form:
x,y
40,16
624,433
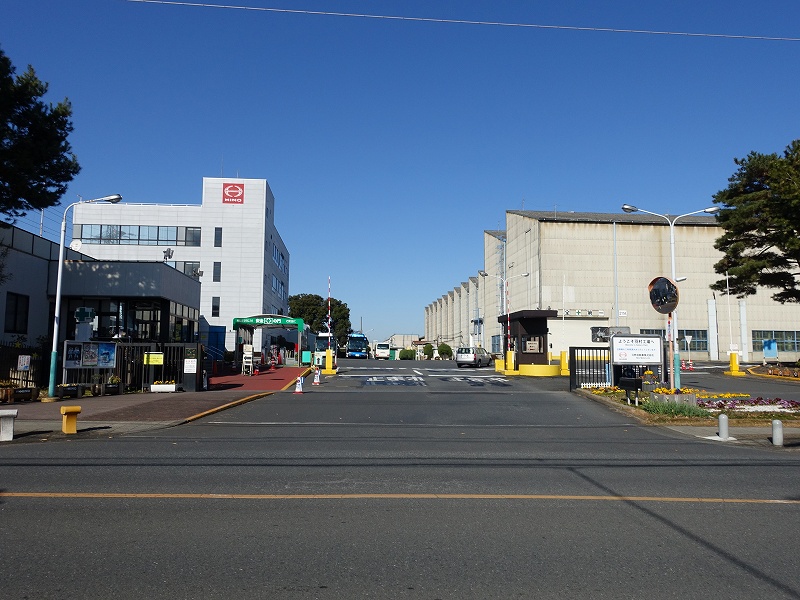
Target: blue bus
x,y
357,346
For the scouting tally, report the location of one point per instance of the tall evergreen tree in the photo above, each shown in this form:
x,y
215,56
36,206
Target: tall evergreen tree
x,y
761,220
313,309
36,160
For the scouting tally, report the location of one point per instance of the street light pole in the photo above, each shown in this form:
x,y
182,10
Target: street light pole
x,y
674,325
113,199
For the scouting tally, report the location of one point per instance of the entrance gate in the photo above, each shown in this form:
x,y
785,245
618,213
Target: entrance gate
x,y
589,368
249,324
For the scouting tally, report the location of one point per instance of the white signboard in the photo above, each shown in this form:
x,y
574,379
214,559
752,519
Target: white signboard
x,y
636,350
190,365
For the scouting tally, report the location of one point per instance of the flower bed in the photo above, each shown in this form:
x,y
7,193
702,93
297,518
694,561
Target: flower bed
x,y
750,405
163,386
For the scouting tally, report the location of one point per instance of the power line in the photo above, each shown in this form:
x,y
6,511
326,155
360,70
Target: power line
x,y
468,22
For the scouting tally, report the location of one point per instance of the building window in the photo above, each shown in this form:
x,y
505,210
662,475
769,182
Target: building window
x,y
141,235
699,339
16,313
167,236
215,306
190,268
497,344
661,332
148,235
217,237
786,341
91,234
110,234
217,271
129,234
192,236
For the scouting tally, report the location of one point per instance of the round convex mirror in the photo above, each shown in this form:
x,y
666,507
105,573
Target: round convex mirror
x,y
663,295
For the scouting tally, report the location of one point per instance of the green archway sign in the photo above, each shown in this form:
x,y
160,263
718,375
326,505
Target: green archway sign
x,y
268,321
276,321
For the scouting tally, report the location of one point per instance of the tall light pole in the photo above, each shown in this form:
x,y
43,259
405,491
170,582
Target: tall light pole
x,y
507,308
113,199
671,221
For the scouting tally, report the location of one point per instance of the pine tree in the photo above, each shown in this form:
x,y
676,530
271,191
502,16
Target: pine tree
x,y
761,218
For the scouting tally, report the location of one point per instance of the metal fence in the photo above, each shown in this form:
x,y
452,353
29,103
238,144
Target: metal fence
x,y
36,371
130,367
592,368
589,368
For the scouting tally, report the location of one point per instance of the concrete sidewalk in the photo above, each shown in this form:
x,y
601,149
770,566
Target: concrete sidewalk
x,y
109,416
749,436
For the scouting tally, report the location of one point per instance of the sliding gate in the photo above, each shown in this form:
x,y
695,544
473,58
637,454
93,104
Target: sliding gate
x,y
589,368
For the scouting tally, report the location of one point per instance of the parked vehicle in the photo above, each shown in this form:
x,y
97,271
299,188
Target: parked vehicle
x,y
382,350
473,356
357,346
323,342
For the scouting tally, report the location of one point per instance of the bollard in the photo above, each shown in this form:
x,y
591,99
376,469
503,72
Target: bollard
x,y
723,427
564,362
777,433
734,368
69,420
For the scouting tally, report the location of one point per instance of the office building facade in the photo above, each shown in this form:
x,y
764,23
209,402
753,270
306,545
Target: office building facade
x,y
229,242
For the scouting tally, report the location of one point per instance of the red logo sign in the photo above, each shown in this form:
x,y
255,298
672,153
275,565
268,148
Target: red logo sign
x,y
233,193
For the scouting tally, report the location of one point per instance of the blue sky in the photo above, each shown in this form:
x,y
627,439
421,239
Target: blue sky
x,y
405,140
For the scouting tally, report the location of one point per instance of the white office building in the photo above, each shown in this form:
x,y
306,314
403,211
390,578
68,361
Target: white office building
x,y
229,242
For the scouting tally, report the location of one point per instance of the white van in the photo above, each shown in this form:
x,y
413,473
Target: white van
x,y
382,351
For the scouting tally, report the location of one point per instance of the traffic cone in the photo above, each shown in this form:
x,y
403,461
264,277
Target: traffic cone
x,y
683,365
298,387
691,366
316,377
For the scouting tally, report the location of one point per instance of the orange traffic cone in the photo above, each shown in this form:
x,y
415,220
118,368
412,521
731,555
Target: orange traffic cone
x,y
298,387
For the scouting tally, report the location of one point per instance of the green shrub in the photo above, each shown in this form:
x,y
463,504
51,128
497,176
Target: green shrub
x,y
427,350
407,354
674,410
445,351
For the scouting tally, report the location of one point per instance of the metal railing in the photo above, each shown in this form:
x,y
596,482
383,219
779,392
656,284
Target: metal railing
x,y
589,368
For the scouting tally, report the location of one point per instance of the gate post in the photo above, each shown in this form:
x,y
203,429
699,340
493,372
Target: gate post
x,y
192,368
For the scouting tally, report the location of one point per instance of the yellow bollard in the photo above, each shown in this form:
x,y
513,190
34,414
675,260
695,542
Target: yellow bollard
x,y
69,420
329,370
735,372
510,366
564,364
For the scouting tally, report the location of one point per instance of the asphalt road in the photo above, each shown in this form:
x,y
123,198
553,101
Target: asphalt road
x,y
402,480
